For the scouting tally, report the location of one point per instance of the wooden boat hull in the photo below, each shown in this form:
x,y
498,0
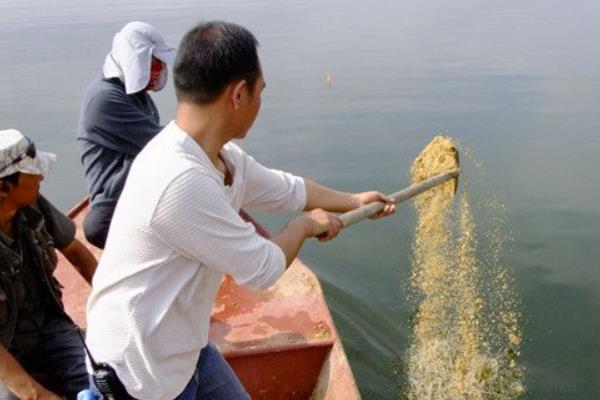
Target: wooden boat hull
x,y
281,342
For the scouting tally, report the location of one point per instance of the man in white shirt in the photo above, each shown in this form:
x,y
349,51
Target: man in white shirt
x,y
176,228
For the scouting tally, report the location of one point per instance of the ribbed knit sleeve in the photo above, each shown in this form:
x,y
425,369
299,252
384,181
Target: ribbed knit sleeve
x,y
195,219
272,190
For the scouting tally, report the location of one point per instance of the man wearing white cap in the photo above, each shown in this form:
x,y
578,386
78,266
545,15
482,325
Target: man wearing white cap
x,y
118,118
37,338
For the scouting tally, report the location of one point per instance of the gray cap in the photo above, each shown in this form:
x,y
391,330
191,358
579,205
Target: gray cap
x,y
13,155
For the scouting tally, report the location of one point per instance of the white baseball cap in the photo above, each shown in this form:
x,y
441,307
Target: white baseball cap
x,y
18,154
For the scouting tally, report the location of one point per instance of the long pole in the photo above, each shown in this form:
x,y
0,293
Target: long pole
x,y
361,213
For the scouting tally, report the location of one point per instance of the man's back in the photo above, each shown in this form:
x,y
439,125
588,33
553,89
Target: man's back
x,y
176,232
113,128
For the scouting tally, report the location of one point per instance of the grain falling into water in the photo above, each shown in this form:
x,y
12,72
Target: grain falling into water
x,y
457,352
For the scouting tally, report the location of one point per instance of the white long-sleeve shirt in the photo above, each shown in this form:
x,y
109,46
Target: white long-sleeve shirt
x,y
175,232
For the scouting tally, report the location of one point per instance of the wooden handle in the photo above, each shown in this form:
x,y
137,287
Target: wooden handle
x,y
354,216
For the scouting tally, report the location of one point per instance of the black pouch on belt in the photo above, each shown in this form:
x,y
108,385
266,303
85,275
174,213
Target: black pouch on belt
x,y
105,378
108,384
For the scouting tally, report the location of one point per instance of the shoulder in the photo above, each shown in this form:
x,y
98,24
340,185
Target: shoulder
x,y
180,191
193,178
187,196
166,166
165,161
46,208
236,155
56,223
103,93
234,149
172,149
102,87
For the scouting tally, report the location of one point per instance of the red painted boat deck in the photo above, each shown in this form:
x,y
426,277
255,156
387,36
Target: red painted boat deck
x,y
281,342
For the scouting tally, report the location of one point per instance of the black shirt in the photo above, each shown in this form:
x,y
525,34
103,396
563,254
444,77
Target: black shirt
x,y
33,304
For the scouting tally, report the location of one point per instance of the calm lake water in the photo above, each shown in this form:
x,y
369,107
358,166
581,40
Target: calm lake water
x,y
517,82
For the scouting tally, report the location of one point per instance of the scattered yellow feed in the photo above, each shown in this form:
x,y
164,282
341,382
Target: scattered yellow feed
x,y
455,352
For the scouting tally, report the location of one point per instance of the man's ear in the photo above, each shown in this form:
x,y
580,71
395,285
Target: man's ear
x,y
238,93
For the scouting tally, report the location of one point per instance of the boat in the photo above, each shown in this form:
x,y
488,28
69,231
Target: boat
x,y
281,342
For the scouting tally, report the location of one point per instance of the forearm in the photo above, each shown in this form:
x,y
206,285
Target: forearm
x,y
15,377
82,259
319,196
290,239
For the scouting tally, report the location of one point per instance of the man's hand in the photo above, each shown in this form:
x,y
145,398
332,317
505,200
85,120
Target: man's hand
x,y
44,394
370,197
317,223
32,390
19,382
321,224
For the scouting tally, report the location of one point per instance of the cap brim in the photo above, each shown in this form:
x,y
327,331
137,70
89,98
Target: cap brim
x,y
40,165
166,55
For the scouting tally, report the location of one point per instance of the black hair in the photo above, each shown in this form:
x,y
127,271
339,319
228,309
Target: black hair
x,y
12,178
210,57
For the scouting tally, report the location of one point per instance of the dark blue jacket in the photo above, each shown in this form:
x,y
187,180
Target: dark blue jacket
x,y
113,128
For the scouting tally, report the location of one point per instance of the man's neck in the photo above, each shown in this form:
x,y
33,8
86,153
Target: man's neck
x,y
206,126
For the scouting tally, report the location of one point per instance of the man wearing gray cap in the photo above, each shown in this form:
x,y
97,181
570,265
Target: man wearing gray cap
x,y
37,338
118,118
